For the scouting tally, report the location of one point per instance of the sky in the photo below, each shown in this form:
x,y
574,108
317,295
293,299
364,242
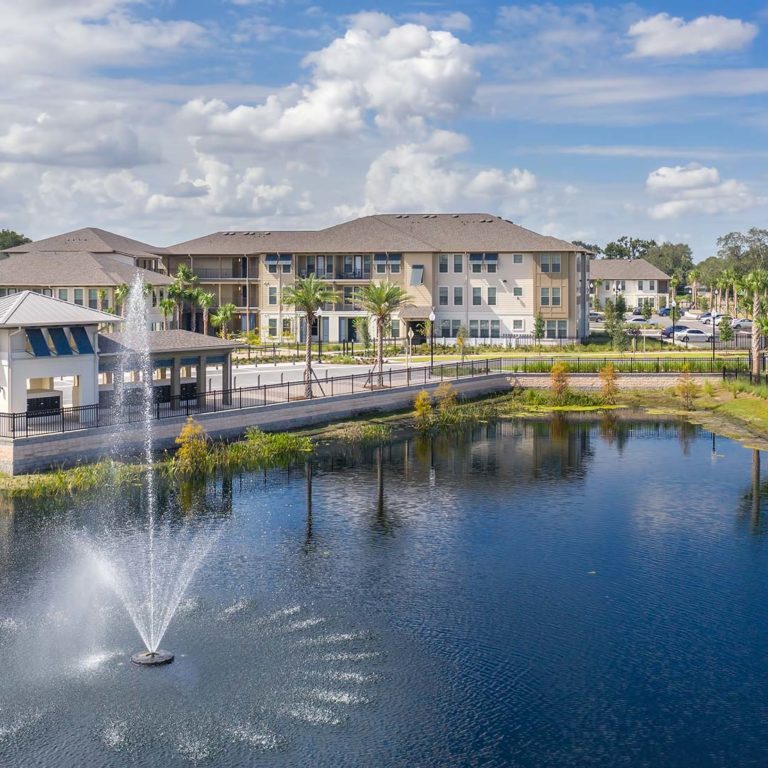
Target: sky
x,y
166,119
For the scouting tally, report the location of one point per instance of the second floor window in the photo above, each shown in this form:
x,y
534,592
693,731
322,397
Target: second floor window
x,y
555,297
272,294
544,297
79,296
477,297
458,296
458,261
443,262
550,262
491,297
442,294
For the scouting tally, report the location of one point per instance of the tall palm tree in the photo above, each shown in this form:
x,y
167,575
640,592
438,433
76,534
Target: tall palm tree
x,y
381,300
729,278
182,289
756,287
167,307
204,300
307,295
121,294
221,318
694,276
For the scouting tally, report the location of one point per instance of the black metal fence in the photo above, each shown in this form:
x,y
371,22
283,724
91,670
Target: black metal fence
x,y
19,425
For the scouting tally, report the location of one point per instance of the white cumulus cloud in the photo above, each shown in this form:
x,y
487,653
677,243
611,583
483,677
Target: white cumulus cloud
x,y
663,35
696,189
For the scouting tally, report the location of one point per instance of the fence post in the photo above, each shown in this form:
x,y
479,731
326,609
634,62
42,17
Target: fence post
x,y
61,411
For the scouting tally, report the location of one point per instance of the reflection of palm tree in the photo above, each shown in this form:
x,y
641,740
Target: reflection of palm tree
x,y
755,487
308,538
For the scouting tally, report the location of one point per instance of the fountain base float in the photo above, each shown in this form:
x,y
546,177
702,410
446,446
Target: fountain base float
x,y
152,658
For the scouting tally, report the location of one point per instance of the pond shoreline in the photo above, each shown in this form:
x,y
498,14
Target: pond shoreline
x,y
744,419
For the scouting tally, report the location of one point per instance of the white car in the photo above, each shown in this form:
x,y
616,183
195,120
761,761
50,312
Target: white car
x,y
714,319
692,334
741,324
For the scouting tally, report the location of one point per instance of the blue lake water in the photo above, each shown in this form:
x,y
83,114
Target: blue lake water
x,y
525,595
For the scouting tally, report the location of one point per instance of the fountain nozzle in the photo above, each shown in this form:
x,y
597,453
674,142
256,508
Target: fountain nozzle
x,y
152,658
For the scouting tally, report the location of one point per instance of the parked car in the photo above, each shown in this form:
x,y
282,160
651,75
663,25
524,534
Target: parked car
x,y
638,320
713,318
664,312
596,317
741,324
704,317
669,330
692,335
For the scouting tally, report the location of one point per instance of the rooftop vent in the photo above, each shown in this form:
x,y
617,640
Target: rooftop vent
x,y
455,216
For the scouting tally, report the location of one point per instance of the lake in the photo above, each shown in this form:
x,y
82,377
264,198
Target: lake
x,y
525,594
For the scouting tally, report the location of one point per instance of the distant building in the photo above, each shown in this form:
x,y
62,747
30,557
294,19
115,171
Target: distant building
x,y
85,267
635,279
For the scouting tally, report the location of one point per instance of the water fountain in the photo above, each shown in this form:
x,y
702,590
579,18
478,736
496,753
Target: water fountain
x,y
151,569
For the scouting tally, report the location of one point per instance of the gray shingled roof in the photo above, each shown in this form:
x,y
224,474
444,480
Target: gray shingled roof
x,y
90,239
624,269
385,232
71,268
166,341
30,309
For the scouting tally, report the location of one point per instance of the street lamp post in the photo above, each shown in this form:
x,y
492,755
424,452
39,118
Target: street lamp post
x,y
319,316
674,306
431,340
409,348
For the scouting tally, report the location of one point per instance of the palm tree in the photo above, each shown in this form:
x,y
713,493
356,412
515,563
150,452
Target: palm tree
x,y
729,278
307,295
380,300
121,294
694,276
167,307
756,287
182,289
205,301
220,319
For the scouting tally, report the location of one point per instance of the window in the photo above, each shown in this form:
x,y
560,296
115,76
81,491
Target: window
x,y
517,291
443,262
381,267
491,297
554,261
455,325
544,297
286,326
477,266
47,292
395,326
273,326
483,329
476,262
417,274
477,297
557,329
64,294
518,325
394,263
639,285
93,298
445,326
272,294
652,285
495,329
555,297
271,260
544,262
458,261
442,297
473,329
490,266
458,296
79,296
517,258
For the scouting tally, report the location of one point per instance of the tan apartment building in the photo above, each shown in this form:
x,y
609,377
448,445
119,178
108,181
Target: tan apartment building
x,y
638,281
85,267
476,271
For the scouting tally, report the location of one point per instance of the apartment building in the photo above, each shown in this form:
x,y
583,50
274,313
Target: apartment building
x,y
85,267
476,271
638,281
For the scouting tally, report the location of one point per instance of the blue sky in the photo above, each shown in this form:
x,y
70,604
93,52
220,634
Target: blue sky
x,y
164,119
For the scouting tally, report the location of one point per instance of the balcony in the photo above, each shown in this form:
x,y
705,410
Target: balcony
x,y
353,274
212,273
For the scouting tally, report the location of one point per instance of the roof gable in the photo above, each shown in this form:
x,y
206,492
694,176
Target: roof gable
x,y
625,269
90,239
